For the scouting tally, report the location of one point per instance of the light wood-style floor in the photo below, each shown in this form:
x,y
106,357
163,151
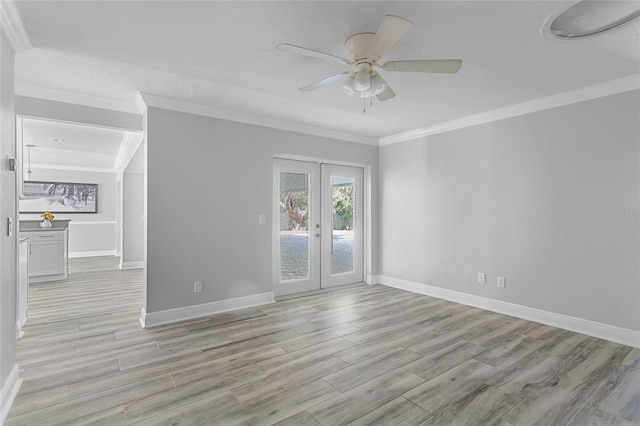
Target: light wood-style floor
x,y
358,355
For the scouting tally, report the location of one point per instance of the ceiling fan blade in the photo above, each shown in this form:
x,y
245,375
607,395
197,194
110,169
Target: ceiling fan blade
x,y
437,65
313,53
392,29
387,94
325,81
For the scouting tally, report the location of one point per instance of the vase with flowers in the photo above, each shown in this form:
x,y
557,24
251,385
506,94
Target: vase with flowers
x,y
47,219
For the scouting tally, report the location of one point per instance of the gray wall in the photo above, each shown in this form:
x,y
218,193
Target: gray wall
x,y
208,180
7,209
133,210
87,232
529,198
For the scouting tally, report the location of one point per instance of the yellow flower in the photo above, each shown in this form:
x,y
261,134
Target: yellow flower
x,y
47,216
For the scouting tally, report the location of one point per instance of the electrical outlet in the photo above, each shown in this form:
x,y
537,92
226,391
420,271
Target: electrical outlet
x,y
197,287
482,277
501,282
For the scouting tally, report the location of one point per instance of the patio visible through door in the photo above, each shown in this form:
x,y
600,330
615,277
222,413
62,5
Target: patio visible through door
x,y
318,238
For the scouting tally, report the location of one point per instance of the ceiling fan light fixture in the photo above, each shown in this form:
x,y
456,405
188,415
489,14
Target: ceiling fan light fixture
x,y
347,86
378,85
362,81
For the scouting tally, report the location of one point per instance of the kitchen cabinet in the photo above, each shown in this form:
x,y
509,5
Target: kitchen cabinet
x,y
23,286
48,255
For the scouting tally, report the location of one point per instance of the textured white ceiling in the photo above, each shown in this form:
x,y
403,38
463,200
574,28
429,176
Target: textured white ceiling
x,y
223,54
82,147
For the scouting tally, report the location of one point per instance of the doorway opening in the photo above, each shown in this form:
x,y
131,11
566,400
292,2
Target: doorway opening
x,y
84,175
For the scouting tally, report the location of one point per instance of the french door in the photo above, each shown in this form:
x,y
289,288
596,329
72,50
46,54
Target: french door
x,y
318,238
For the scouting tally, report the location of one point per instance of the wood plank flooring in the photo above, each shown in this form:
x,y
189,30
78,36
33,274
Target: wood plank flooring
x,y
358,355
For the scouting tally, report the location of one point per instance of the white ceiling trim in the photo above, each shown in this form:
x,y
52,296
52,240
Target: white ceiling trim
x,y
12,27
612,87
128,147
243,117
70,168
38,92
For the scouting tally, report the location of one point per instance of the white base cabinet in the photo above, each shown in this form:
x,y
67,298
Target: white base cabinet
x,y
48,256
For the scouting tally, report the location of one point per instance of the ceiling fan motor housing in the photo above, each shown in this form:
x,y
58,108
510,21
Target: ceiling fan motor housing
x,y
358,45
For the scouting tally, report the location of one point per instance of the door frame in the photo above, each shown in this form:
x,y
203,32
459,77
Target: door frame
x,y
368,220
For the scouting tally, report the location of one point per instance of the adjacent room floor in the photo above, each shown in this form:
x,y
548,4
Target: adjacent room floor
x,y
355,355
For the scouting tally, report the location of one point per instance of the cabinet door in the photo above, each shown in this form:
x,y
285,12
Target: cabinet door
x,y
46,258
23,287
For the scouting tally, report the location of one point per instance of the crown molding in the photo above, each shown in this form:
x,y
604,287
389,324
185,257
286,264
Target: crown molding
x,y
145,100
612,87
141,105
128,147
12,27
70,168
38,92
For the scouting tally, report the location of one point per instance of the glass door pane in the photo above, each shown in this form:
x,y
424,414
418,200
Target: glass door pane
x,y
342,260
342,206
294,226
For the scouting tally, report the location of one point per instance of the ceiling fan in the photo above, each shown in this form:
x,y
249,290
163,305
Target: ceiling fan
x,y
365,50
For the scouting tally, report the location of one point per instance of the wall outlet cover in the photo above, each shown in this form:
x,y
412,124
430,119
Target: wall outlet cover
x,y
502,282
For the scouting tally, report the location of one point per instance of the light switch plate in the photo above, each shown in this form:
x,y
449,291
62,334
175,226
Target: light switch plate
x,y
501,282
10,227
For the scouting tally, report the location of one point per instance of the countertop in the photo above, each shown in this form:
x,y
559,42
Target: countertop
x,y
34,225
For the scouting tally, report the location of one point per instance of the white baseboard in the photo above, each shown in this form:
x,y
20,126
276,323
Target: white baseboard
x,y
143,316
150,319
92,253
19,330
620,335
9,391
132,265
373,279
